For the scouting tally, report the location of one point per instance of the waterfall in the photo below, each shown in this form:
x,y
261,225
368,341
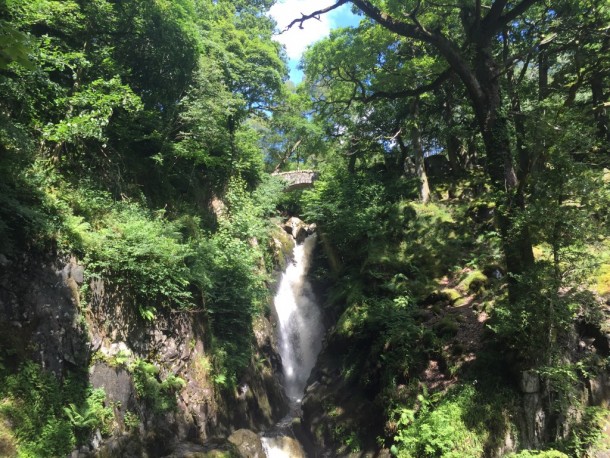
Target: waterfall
x,y
299,321
300,333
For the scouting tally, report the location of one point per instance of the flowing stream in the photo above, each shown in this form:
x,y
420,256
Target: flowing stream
x,y
300,332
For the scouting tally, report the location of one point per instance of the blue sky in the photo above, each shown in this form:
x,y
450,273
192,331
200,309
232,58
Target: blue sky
x,y
296,40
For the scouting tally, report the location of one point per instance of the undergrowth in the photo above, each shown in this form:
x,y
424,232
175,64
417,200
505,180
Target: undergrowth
x,y
398,269
48,417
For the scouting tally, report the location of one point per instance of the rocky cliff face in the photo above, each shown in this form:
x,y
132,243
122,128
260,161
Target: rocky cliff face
x,y
42,319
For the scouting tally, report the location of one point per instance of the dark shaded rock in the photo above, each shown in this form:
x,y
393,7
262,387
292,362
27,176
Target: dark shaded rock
x,y
351,408
40,318
530,382
190,450
117,384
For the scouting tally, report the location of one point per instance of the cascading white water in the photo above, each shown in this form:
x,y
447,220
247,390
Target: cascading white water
x,y
300,332
299,320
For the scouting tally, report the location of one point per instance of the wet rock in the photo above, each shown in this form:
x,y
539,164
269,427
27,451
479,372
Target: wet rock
x,y
289,446
599,390
248,444
298,229
123,446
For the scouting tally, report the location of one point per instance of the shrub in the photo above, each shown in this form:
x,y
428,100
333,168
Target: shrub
x,y
454,424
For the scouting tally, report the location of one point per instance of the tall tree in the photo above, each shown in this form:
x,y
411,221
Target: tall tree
x,y
466,38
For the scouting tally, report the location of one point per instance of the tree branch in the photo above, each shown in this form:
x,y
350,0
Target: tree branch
x,y
494,13
314,15
446,47
516,12
438,81
494,21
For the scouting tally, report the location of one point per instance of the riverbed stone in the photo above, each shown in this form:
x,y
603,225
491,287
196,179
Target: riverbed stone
x,y
288,445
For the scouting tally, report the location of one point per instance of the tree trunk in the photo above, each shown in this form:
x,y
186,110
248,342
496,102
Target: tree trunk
x,y
420,168
493,123
454,145
543,75
599,110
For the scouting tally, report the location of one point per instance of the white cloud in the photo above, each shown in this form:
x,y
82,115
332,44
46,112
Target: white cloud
x,y
296,40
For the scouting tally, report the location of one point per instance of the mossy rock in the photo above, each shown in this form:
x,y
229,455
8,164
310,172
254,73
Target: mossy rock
x,y
461,301
474,282
451,295
282,247
443,297
602,280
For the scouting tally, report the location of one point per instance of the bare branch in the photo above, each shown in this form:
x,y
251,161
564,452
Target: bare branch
x,y
314,15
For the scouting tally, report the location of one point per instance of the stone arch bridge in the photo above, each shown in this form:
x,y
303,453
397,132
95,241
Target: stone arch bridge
x,y
298,179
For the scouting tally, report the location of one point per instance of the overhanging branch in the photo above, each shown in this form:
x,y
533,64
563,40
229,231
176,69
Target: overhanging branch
x,y
314,15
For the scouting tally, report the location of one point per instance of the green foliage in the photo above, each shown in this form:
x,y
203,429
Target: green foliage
x,y
32,401
48,417
94,106
159,394
140,250
339,197
229,269
131,420
94,414
537,327
14,46
587,435
453,424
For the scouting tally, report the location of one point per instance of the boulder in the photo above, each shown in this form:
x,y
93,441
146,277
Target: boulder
x,y
248,444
